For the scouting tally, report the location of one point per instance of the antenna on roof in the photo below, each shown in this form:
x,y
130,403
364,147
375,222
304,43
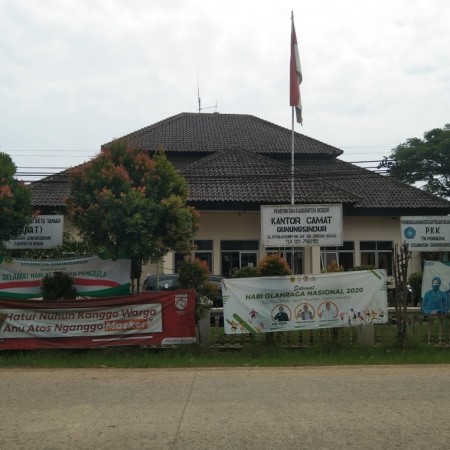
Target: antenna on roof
x,y
200,109
198,95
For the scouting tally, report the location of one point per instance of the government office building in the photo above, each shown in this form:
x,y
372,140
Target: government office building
x,y
236,163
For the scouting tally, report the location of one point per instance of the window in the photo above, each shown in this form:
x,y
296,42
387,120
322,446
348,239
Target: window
x,y
286,253
342,256
378,254
204,252
237,254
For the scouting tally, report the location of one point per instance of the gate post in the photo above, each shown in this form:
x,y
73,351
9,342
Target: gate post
x,y
204,329
366,335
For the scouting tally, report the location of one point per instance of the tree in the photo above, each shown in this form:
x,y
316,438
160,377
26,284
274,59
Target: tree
x,y
125,203
426,160
15,201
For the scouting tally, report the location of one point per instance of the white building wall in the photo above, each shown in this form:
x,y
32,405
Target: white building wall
x,y
245,225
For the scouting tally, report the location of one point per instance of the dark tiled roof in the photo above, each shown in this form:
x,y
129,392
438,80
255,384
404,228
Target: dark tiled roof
x,y
209,133
376,191
51,191
209,150
241,176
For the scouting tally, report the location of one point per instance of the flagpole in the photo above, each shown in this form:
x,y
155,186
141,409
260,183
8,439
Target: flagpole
x,y
295,78
292,161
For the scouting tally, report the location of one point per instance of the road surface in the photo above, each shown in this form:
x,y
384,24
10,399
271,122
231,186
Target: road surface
x,y
351,407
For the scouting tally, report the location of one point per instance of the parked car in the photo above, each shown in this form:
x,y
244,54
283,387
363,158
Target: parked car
x,y
160,283
168,282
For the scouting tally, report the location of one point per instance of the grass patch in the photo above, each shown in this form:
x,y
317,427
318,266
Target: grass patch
x,y
255,355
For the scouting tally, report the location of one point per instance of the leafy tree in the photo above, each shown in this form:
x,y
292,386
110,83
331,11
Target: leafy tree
x,y
15,201
423,160
125,203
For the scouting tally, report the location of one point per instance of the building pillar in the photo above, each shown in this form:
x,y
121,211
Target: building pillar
x,y
315,259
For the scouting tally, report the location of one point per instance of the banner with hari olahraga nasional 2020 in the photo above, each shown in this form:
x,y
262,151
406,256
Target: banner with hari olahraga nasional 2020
x,y
296,302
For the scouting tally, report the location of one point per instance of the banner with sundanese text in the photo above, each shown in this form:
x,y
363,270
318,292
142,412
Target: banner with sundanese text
x,y
145,319
270,304
93,276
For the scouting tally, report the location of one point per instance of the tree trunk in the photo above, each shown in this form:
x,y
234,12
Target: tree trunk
x,y
135,275
400,270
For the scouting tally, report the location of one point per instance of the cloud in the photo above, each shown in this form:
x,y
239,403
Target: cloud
x,y
77,73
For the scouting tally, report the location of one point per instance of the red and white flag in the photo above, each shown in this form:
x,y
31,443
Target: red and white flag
x,y
295,76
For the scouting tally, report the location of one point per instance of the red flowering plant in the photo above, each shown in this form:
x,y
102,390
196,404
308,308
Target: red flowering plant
x,y
123,202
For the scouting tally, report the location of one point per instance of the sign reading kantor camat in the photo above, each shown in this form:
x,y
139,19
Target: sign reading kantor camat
x,y
301,225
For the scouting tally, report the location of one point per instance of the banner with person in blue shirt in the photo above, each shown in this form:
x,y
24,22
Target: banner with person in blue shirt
x,y
436,288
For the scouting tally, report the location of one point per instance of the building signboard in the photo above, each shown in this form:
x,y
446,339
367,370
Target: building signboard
x,y
301,225
43,232
426,233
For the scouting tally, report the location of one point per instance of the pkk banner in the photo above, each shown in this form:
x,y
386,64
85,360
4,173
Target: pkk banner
x,y
270,304
436,288
145,319
93,276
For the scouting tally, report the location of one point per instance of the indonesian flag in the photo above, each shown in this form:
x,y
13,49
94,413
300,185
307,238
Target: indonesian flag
x,y
295,76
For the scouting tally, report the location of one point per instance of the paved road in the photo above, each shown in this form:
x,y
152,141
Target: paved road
x,y
377,407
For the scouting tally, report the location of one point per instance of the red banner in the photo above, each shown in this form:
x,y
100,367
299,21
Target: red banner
x,y
165,318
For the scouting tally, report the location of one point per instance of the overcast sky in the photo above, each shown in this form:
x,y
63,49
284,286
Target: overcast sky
x,y
76,73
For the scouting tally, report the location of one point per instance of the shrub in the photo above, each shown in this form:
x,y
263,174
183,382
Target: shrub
x,y
269,266
364,267
335,267
245,272
415,282
273,265
194,275
58,286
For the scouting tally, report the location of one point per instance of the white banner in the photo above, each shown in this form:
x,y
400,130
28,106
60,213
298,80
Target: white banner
x,y
70,322
301,225
268,304
93,276
435,288
427,233
43,232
